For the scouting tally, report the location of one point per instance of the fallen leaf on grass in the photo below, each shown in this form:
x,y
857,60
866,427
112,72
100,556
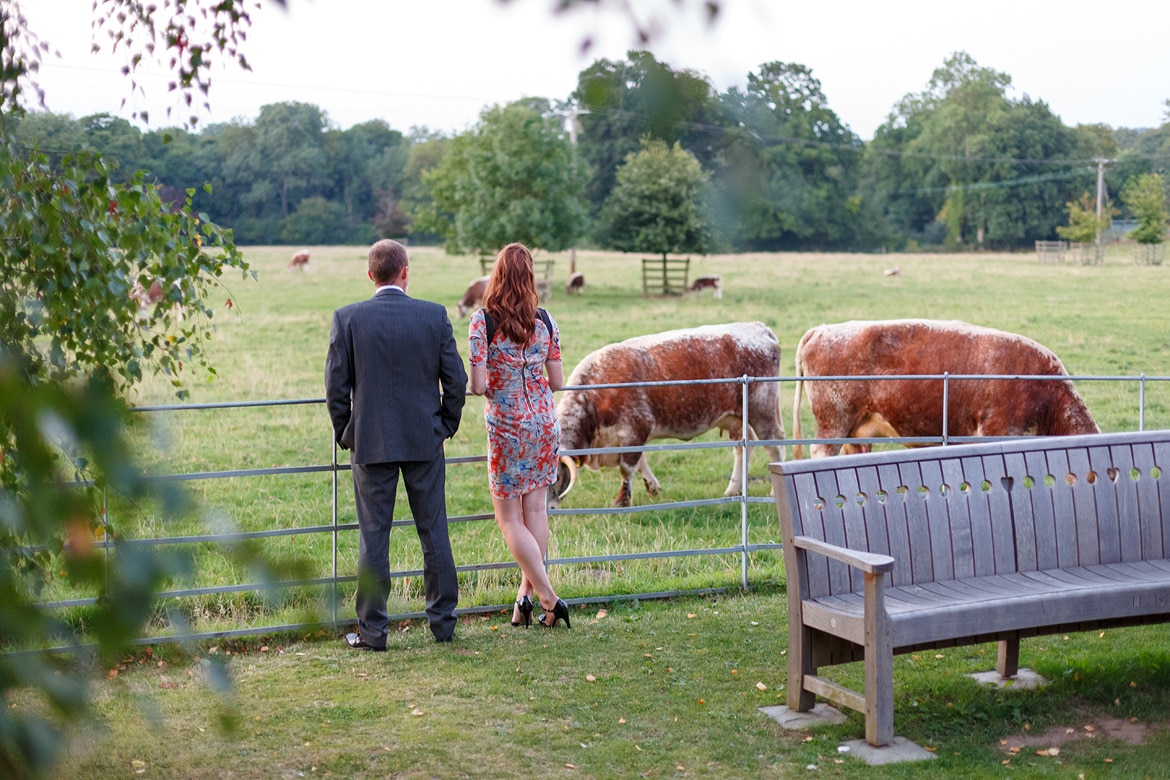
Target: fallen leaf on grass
x,y
1052,751
621,720
416,712
601,613
590,678
570,766
691,615
761,686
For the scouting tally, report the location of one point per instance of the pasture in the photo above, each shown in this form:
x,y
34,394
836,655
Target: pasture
x,y
270,345
669,688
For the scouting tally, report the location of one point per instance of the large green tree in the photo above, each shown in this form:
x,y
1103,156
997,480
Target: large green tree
x,y
513,177
1145,198
787,166
658,204
95,270
625,100
961,164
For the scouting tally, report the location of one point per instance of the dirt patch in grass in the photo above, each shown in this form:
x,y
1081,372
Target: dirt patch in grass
x,y
1129,732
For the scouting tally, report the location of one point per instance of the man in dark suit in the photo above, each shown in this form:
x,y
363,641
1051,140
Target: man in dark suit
x,y
388,357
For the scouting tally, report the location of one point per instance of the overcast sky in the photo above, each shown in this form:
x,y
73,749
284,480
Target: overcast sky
x,y
438,63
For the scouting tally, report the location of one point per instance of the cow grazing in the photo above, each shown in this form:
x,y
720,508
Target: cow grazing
x,y
472,296
714,282
908,407
145,297
631,416
575,283
299,260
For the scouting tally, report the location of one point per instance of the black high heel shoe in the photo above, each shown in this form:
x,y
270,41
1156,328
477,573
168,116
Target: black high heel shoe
x,y
524,605
560,611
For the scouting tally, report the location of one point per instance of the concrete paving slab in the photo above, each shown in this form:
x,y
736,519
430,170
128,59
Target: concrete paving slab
x,y
1025,679
900,751
820,715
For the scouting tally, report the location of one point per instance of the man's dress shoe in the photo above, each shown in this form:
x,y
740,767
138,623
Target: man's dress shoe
x,y
355,641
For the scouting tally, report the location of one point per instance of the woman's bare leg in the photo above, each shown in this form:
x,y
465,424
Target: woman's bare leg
x,y
525,546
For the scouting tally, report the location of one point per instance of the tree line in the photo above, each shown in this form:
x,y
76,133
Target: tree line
x,y
960,165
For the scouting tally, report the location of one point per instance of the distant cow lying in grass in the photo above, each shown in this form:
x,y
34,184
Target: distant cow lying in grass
x,y
714,282
299,260
631,416
472,295
863,409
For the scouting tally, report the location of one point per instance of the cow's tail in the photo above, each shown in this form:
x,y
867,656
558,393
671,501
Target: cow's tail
x,y
798,449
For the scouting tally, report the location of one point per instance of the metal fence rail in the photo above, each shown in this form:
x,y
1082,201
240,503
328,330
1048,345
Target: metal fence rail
x,y
743,549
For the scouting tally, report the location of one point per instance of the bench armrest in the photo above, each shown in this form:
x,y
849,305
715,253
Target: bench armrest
x,y
870,563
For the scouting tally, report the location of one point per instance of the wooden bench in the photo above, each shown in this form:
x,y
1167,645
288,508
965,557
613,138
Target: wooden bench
x,y
543,268
901,551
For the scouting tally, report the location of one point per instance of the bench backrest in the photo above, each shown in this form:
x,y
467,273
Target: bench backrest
x,y
980,509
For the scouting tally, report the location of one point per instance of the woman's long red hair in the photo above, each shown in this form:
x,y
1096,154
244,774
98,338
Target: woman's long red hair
x,y
511,294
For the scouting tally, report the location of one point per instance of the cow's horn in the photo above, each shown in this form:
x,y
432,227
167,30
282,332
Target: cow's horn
x,y
571,465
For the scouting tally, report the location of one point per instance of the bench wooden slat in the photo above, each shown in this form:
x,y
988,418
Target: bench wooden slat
x,y
942,542
877,527
1020,506
966,555
1067,546
853,515
1138,540
1118,541
840,579
1043,514
1153,496
1004,543
897,529
978,512
1084,511
917,523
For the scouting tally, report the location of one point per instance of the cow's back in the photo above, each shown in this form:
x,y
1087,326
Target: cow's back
x,y
708,352
915,407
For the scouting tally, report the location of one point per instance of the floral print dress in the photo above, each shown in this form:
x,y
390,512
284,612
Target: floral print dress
x,y
523,433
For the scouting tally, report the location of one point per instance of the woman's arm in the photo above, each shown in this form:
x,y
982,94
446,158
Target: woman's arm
x,y
479,380
556,375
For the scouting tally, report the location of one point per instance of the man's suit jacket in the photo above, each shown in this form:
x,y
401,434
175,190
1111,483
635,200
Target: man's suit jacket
x,y
388,358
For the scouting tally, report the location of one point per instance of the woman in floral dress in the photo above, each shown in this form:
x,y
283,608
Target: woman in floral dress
x,y
518,371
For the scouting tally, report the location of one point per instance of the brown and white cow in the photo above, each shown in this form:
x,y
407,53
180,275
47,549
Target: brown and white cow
x,y
846,408
299,260
714,282
575,283
472,295
631,416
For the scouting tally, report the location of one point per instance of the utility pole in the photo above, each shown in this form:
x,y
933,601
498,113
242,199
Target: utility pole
x,y
1101,161
571,113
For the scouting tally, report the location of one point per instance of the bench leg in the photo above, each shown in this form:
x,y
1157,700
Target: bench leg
x,y
1007,664
879,666
799,665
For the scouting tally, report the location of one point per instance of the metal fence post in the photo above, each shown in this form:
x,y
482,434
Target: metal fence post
x,y
946,402
745,462
336,595
1142,401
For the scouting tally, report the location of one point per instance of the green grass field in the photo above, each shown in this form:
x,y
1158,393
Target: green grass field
x,y
637,688
270,345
